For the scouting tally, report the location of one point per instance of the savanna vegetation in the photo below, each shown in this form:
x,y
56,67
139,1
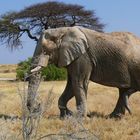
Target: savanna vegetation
x,y
101,101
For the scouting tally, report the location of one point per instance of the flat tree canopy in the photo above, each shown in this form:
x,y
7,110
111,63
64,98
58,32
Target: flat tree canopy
x,y
36,18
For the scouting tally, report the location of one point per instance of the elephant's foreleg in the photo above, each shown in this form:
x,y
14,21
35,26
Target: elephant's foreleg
x,y
80,71
79,87
64,98
80,96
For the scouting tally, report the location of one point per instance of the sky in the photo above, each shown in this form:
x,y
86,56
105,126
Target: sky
x,y
118,15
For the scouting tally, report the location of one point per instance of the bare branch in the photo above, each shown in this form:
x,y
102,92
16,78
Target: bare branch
x,y
35,18
29,34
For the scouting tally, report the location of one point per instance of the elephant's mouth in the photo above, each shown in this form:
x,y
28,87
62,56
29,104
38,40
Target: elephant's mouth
x,y
43,62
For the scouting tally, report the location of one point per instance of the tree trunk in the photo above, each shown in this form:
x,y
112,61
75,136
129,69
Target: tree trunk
x,y
33,85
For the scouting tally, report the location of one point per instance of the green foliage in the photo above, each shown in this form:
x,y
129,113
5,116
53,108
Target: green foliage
x,y
9,31
33,19
23,68
50,73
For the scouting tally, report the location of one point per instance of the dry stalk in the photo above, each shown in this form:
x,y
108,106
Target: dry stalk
x,y
30,118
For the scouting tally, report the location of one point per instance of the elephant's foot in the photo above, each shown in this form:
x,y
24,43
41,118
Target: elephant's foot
x,y
65,113
115,115
69,112
121,106
118,112
82,111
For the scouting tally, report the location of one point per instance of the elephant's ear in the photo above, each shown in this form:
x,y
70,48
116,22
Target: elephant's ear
x,y
73,45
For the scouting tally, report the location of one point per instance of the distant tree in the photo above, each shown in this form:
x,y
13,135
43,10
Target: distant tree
x,y
33,19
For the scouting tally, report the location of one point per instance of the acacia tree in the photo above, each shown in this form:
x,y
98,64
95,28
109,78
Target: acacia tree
x,y
33,19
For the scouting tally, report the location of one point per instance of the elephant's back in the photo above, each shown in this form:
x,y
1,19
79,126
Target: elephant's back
x,y
124,45
127,38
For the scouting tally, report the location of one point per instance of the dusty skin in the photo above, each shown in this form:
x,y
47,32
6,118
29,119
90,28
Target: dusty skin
x,y
111,59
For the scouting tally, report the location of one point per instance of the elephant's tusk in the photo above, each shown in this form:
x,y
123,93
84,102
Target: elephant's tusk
x,y
36,69
43,62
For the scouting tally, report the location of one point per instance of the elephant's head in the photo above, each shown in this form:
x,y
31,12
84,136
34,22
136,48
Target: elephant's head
x,y
60,46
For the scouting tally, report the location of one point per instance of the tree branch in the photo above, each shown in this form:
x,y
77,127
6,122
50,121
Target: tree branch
x,y
74,20
29,34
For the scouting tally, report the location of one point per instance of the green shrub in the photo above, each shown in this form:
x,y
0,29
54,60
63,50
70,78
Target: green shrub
x,y
23,68
50,73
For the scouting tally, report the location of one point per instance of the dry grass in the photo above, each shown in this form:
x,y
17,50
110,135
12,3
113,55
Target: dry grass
x,y
8,75
8,68
8,71
101,101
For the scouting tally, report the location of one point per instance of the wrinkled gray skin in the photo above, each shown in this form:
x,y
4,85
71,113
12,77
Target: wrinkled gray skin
x,y
108,59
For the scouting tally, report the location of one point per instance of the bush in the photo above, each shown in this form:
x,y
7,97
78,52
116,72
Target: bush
x,y
23,68
50,73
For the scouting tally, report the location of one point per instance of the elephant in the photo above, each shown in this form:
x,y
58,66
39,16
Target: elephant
x,y
110,59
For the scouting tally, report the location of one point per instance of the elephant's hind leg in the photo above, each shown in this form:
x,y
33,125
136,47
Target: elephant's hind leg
x,y
64,98
122,103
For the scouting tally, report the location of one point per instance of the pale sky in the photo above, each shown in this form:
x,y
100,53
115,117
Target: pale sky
x,y
119,15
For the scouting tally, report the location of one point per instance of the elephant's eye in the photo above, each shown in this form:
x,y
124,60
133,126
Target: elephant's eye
x,y
52,38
